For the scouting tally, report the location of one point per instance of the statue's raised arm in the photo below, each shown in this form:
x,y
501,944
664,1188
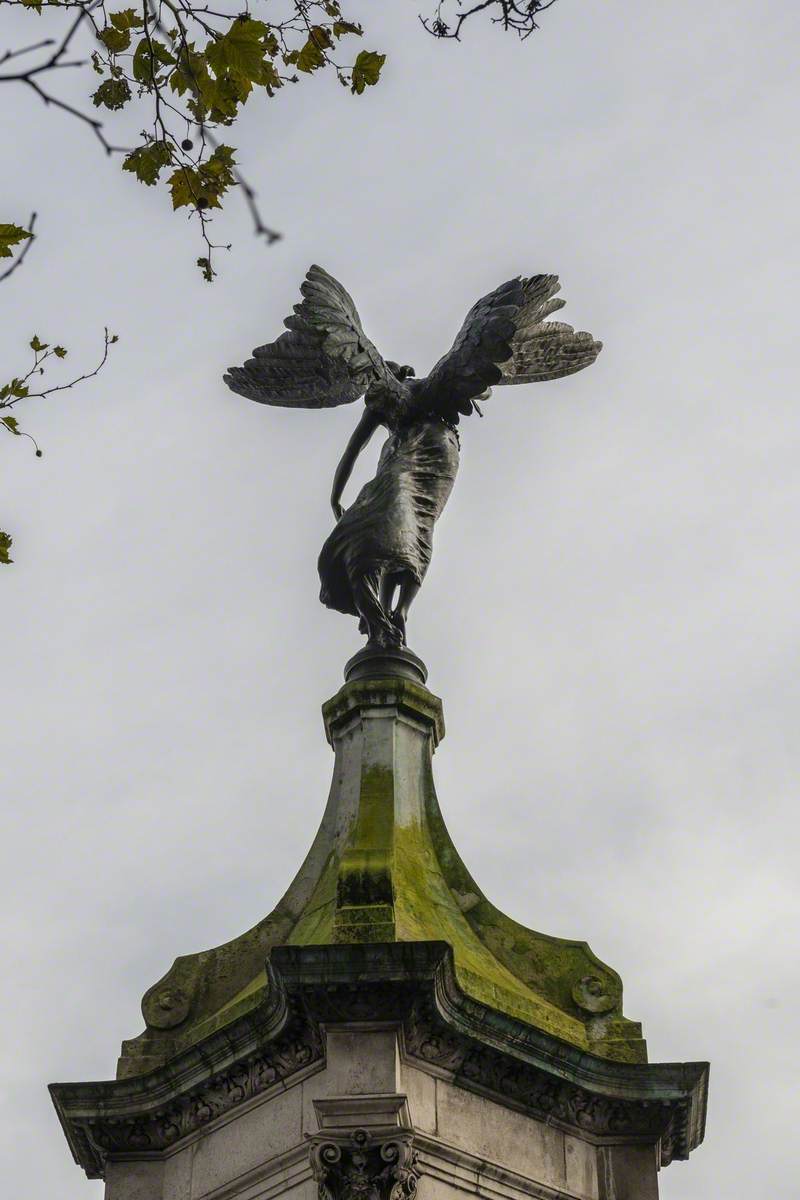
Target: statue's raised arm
x,y
374,561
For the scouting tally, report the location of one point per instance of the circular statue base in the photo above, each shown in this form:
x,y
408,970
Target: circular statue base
x,y
378,662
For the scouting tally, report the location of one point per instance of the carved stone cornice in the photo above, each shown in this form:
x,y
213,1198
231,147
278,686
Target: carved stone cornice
x,y
480,1049
444,1032
149,1114
522,1085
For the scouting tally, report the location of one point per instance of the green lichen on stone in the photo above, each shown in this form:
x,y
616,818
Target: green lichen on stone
x,y
383,868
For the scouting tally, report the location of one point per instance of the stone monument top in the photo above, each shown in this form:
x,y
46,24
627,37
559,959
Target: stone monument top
x,y
385,1029
384,923
383,868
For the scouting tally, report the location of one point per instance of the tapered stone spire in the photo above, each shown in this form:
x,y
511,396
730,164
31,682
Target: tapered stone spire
x,y
384,924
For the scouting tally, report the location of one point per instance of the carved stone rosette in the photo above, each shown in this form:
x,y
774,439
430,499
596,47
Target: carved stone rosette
x,y
358,1165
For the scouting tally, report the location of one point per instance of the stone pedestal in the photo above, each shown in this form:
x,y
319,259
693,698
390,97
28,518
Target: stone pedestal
x,y
385,1031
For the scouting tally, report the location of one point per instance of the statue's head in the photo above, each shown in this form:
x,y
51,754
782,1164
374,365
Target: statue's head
x,y
400,371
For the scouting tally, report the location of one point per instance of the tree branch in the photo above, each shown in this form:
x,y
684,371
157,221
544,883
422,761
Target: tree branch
x,y
9,54
54,63
517,15
260,229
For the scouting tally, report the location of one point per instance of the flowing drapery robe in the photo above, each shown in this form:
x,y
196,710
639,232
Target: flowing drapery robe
x,y
388,530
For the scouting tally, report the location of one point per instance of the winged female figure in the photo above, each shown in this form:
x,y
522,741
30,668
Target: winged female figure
x,y
374,561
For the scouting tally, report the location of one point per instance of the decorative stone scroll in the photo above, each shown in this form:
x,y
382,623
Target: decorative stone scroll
x,y
359,1165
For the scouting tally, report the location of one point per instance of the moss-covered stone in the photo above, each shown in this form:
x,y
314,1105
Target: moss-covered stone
x,y
383,868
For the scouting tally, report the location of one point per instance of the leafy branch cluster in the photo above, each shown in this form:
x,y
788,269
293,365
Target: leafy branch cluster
x,y
28,386
189,67
192,68
517,16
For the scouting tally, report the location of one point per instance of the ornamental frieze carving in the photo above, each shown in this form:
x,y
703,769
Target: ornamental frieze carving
x,y
360,1165
369,1155
224,1091
545,1096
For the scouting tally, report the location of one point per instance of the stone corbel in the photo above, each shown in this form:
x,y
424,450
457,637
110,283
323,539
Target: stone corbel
x,y
365,1149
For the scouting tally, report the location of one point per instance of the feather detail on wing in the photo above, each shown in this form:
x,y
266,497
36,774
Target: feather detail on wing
x,y
506,338
324,359
470,366
542,349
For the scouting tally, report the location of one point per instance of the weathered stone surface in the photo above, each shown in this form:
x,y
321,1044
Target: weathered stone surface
x,y
332,1018
580,1167
361,1060
257,1134
421,1091
385,1034
383,868
499,1135
178,1174
627,1173
135,1181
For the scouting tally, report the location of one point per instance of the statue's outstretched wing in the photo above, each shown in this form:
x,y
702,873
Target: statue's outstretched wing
x,y
507,338
542,349
322,360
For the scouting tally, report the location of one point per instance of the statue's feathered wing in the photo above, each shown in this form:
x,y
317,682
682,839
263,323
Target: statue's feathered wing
x,y
322,360
506,338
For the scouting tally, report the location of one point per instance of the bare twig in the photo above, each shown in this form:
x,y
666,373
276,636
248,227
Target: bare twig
x,y
108,340
517,15
260,228
54,62
95,125
9,54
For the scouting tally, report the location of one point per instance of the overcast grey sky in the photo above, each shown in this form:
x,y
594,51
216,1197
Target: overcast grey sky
x,y
611,616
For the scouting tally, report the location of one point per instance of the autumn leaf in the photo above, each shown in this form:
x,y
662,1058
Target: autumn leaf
x,y
241,50
340,28
186,189
202,187
11,235
128,18
115,40
312,56
16,388
148,57
147,162
366,70
112,93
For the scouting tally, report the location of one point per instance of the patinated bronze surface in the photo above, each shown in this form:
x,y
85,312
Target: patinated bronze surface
x,y
373,563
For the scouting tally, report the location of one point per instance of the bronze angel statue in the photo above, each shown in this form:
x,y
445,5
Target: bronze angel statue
x,y
373,563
